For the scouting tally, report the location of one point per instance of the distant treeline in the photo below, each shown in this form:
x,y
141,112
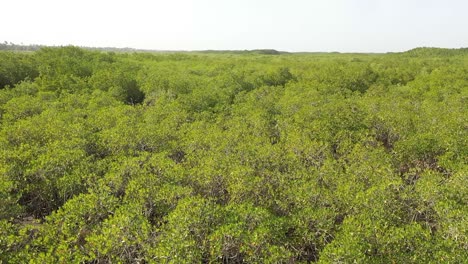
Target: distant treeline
x,y
426,51
34,47
256,51
15,47
421,51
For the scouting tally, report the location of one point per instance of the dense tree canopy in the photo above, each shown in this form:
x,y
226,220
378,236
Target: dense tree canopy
x,y
256,157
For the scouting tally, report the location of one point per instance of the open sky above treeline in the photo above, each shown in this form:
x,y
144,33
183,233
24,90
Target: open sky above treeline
x,y
294,25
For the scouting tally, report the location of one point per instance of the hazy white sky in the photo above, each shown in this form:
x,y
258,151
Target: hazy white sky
x,y
293,25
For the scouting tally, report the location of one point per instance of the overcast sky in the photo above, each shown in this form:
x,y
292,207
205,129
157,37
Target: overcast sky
x,y
292,25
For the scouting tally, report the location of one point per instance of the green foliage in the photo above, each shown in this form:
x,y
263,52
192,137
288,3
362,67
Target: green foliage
x,y
119,83
234,157
16,67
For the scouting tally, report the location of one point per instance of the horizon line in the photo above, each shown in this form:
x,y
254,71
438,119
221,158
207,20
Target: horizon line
x,y
124,49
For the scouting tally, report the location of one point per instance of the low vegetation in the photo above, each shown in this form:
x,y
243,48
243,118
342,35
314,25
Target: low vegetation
x,y
255,157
